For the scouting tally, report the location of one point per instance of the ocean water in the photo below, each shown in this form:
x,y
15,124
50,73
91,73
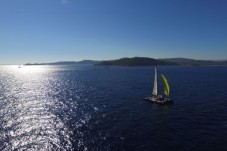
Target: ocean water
x,y
91,108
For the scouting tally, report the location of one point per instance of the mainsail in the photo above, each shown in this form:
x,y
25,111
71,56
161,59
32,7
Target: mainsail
x,y
155,89
166,89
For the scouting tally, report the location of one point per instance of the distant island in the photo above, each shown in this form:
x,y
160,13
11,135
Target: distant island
x,y
136,61
142,61
193,62
67,62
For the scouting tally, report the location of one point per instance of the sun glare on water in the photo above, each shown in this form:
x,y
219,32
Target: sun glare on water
x,y
27,112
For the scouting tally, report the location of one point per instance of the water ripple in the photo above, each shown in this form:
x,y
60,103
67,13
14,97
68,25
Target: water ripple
x,y
27,118
95,108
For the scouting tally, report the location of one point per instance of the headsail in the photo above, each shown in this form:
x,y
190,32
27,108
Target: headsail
x,y
155,89
166,89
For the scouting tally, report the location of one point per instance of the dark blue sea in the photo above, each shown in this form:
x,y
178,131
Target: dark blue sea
x,y
91,108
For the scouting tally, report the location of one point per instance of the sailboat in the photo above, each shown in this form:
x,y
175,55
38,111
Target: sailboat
x,y
159,99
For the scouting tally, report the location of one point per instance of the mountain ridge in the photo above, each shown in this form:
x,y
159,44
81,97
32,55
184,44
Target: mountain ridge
x,y
141,61
194,62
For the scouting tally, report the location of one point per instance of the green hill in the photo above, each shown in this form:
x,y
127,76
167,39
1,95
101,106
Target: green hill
x,y
136,61
193,62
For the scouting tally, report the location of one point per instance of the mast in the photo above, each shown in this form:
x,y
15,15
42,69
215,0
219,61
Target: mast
x,y
155,89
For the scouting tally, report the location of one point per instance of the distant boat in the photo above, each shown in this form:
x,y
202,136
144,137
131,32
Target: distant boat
x,y
155,98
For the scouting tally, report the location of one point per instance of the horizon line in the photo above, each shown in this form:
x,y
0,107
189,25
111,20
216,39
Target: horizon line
x,y
114,59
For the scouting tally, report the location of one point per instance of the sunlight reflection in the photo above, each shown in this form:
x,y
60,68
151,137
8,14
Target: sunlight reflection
x,y
31,68
26,115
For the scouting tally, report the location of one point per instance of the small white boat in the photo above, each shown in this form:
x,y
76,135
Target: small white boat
x,y
158,98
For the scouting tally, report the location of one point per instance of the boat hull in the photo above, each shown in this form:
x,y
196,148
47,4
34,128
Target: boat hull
x,y
161,101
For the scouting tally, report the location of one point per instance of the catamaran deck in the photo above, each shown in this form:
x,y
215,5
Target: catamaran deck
x,y
161,101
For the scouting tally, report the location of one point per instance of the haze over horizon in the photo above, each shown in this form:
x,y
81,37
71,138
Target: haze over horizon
x,y
74,30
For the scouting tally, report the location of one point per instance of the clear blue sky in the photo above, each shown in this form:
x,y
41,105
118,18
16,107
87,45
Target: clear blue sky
x,y
61,30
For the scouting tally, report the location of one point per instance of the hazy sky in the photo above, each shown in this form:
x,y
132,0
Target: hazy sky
x,y
61,30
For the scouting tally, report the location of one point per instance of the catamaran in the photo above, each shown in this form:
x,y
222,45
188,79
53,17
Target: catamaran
x,y
155,98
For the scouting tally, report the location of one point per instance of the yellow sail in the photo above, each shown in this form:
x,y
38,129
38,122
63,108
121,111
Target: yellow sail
x,y
166,89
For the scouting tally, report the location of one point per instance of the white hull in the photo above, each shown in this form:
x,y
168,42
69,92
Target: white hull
x,y
157,100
